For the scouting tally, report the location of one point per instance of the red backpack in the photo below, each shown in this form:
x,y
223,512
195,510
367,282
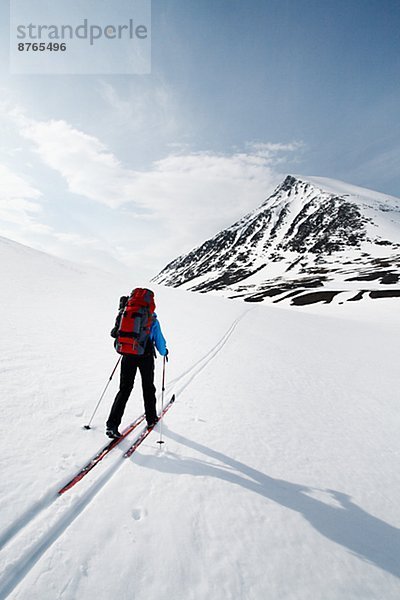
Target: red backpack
x,y
135,325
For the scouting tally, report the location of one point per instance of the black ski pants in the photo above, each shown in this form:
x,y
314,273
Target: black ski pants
x,y
129,366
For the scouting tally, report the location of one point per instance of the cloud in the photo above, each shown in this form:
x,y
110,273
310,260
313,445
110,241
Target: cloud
x,y
182,184
15,186
171,206
21,214
89,169
272,151
18,201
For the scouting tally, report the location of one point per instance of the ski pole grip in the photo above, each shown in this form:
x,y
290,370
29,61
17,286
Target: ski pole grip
x,y
163,374
115,368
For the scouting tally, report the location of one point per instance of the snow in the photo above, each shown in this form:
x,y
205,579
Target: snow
x,y
365,195
279,474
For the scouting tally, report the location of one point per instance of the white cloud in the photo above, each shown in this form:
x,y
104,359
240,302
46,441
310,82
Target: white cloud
x,y
89,169
18,200
275,153
188,181
167,209
20,220
15,186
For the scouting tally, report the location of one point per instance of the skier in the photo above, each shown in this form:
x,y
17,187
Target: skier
x,y
136,332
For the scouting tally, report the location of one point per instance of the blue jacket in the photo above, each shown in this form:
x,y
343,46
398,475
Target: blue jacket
x,y
157,337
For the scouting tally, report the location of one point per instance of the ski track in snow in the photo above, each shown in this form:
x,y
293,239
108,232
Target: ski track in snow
x,y
18,568
203,362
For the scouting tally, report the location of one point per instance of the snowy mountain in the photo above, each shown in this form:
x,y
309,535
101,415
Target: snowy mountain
x,y
311,240
278,478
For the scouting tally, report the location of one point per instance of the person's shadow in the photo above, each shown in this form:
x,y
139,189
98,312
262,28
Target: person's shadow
x,y
341,521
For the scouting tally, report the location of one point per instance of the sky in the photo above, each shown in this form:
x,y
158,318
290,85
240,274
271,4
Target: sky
x,y
128,171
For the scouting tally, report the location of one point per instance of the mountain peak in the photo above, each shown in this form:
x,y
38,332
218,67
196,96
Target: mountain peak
x,y
288,184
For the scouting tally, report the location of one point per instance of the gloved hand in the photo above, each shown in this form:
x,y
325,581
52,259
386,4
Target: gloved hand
x,y
166,354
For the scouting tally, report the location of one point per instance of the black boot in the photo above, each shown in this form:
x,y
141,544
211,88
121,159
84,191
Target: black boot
x,y
113,433
152,423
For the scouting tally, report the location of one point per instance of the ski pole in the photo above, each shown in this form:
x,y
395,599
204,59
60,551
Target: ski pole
x,y
102,395
160,441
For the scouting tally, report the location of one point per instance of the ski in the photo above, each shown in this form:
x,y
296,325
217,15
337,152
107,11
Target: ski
x,y
100,455
146,432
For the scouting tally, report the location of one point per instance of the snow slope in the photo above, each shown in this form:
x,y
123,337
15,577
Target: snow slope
x,y
279,476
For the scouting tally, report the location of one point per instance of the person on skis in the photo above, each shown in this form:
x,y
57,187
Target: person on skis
x,y
137,333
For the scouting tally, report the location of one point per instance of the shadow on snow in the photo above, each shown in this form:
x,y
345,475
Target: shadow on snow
x,y
346,524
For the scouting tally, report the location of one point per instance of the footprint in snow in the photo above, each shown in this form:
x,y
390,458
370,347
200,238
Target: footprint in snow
x,y
198,420
138,513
